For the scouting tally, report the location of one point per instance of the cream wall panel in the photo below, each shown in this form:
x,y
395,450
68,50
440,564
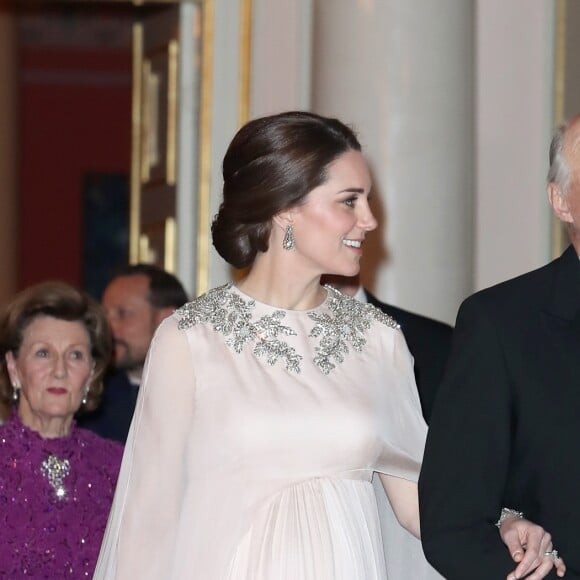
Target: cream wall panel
x,y
514,125
281,56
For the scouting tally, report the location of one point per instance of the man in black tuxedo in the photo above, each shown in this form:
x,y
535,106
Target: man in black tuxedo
x,y
505,429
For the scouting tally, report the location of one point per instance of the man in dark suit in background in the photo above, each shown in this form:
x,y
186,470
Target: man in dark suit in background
x,y
136,300
505,429
429,340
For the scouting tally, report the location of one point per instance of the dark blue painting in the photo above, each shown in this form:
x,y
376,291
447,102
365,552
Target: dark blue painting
x,y
106,229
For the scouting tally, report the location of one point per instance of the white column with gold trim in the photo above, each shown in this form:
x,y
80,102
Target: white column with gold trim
x,y
401,71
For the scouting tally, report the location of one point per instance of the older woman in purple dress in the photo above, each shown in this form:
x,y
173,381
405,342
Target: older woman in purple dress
x,y
56,480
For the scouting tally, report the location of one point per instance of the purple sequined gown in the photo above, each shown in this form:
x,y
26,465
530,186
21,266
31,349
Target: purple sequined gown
x,y
52,517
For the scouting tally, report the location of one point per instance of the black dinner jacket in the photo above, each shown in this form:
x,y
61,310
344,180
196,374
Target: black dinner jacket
x,y
112,418
429,342
505,429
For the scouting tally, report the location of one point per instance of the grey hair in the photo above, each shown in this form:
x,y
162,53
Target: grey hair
x,y
559,172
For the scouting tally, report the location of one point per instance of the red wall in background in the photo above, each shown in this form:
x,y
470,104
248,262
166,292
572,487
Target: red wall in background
x,y
75,117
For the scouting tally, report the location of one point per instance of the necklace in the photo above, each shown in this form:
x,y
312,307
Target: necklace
x,y
55,470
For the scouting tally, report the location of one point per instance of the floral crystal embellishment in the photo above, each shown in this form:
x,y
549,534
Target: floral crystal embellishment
x,y
231,315
55,470
348,322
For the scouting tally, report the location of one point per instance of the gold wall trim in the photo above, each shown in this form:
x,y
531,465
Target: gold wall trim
x,y
146,81
245,61
170,245
558,233
135,194
204,199
172,90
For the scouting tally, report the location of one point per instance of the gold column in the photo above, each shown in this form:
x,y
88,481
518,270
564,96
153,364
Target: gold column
x,y
135,215
558,231
204,199
245,61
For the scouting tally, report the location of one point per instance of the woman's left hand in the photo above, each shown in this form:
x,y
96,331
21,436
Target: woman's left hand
x,y
530,546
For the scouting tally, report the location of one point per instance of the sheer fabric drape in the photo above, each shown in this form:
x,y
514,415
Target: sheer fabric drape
x,y
238,468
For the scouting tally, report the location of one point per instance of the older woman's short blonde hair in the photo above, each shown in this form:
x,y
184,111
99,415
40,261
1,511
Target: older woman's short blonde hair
x,y
63,302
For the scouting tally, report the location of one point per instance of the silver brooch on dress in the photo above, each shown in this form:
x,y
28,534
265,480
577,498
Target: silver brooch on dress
x,y
55,470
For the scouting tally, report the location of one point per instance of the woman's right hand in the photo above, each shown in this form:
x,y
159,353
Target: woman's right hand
x,y
530,547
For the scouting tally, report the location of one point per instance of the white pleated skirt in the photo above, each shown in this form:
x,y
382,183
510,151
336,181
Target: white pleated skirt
x,y
322,529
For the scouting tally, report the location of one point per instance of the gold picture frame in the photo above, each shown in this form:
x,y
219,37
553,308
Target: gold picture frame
x,y
159,111
157,244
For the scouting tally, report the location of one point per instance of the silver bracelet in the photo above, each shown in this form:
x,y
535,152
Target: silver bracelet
x,y
506,514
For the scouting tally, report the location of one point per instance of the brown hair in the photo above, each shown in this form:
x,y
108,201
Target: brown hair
x,y
271,165
63,302
165,290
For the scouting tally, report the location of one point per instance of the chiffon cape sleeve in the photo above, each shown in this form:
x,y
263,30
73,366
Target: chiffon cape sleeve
x,y
204,464
405,431
144,519
402,428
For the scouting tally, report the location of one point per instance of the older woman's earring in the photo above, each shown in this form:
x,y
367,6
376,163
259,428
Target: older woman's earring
x,y
289,242
15,388
85,393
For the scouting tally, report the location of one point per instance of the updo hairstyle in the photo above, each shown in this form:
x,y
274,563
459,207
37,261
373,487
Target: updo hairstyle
x,y
270,166
63,302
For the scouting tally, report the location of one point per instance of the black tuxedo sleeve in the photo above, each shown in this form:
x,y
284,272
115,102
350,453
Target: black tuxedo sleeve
x,y
467,455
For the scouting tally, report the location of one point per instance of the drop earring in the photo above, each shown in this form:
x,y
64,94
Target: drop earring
x,y
289,241
15,388
85,393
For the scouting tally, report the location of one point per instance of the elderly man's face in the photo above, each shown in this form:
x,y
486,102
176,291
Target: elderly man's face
x,y
566,204
572,151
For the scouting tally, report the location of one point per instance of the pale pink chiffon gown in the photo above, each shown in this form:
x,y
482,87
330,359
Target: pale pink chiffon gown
x,y
255,437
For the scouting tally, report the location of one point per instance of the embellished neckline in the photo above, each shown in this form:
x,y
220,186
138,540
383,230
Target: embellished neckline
x,y
339,326
266,306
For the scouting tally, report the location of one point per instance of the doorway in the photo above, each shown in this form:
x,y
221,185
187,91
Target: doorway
x,y
75,86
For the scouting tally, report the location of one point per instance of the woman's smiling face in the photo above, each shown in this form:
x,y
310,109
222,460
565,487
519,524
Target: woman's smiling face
x,y
331,225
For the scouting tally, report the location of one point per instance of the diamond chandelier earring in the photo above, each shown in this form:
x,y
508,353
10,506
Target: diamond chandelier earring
x,y
289,242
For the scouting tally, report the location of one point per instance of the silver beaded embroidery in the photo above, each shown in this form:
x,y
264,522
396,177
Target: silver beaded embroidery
x,y
349,322
55,470
231,315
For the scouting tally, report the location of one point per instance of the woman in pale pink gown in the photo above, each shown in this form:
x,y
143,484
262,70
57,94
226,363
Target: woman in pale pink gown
x,y
267,406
